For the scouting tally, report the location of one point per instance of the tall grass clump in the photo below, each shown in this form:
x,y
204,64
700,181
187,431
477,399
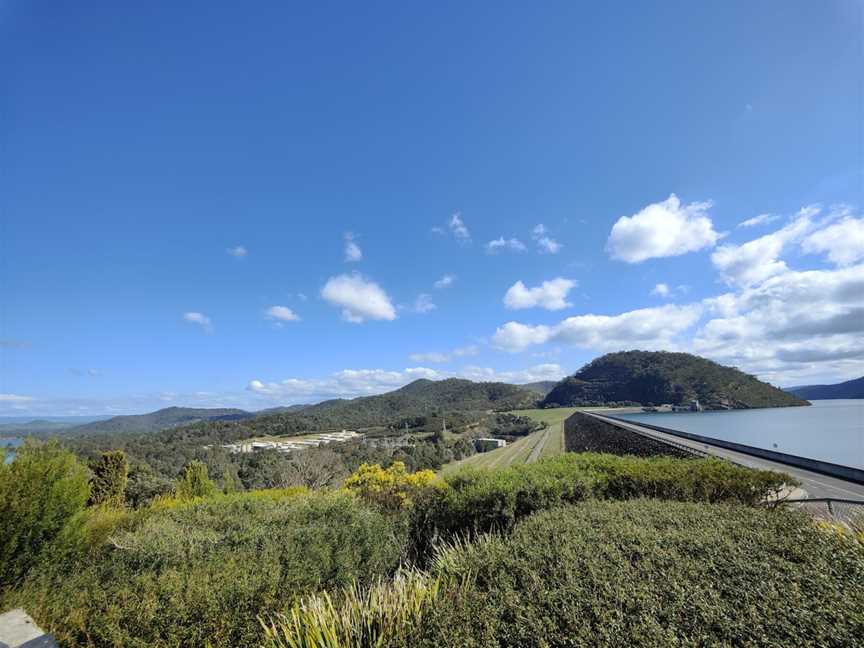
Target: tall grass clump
x,y
356,617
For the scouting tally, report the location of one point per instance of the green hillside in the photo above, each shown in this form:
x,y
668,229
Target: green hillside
x,y
160,420
416,399
661,377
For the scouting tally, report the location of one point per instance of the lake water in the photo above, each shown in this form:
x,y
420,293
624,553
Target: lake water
x,y
10,443
830,430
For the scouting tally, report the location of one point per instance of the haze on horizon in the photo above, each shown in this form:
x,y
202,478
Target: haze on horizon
x,y
211,206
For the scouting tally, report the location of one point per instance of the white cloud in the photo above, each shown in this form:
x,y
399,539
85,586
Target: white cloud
x,y
353,253
200,319
499,244
423,304
549,371
440,357
757,260
842,242
281,314
661,290
761,219
551,295
15,398
351,383
791,325
237,252
445,281
662,229
655,328
545,244
359,298
460,231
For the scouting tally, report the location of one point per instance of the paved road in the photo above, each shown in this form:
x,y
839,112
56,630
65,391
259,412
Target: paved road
x,y
815,484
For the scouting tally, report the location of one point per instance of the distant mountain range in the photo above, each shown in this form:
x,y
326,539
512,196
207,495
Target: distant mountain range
x,y
661,377
849,389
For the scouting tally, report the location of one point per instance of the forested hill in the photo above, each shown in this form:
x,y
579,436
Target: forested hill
x,y
661,377
849,389
542,387
418,398
159,420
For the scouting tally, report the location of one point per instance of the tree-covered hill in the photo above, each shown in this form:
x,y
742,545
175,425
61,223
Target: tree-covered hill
x,y
415,399
661,377
849,389
159,420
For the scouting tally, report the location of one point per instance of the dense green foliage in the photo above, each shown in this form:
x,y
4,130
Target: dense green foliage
x,y
195,482
652,574
39,493
485,500
849,389
110,476
661,377
199,574
199,568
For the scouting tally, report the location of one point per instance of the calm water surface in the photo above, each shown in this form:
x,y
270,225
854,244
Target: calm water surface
x,y
830,430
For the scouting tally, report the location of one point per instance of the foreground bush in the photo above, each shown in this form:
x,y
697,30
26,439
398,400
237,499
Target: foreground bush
x,y
39,492
652,574
200,573
392,488
486,500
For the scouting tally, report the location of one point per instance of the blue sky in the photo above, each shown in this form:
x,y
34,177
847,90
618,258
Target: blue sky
x,y
174,171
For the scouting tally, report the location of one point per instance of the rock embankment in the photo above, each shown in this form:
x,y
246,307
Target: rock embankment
x,y
584,433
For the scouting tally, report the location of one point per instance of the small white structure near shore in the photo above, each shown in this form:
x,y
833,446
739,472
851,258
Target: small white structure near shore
x,y
488,443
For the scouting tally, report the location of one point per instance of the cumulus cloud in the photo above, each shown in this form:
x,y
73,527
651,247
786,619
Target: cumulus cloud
x,y
237,252
655,328
791,325
759,259
548,371
423,304
661,290
842,242
551,295
662,229
502,244
200,319
359,298
545,243
353,253
445,282
761,219
440,357
281,314
458,228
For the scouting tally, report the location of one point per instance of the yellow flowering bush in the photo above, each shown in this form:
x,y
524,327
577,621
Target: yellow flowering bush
x,y
392,488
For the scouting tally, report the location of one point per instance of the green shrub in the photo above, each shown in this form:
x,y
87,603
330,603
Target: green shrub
x,y
647,573
690,480
39,492
200,573
195,482
110,474
484,500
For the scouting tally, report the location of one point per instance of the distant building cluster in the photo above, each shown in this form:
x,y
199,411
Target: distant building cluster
x,y
293,443
692,406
